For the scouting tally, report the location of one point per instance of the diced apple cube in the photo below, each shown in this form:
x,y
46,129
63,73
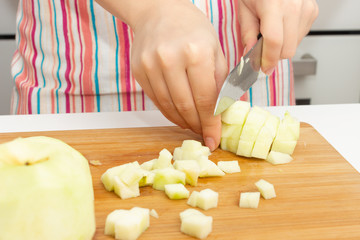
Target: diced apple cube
x,y
176,191
266,189
278,158
108,177
207,199
195,223
127,224
148,165
124,191
131,174
209,169
236,113
229,166
245,148
164,160
249,199
192,201
167,176
148,178
178,154
191,168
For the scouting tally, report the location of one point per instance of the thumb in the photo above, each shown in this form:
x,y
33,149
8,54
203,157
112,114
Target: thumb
x,y
249,27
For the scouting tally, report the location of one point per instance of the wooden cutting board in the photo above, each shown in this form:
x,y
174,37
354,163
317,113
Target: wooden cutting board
x,y
318,194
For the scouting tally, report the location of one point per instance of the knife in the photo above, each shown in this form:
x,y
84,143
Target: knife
x,y
240,79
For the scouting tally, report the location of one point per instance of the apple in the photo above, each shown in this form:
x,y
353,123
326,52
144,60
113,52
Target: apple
x,y
255,132
148,165
266,189
229,166
153,213
254,122
127,224
191,150
205,199
108,177
223,104
164,160
167,176
249,199
46,191
176,191
278,158
191,168
125,191
195,223
209,169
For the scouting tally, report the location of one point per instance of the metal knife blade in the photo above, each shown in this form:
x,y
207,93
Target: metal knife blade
x,y
240,79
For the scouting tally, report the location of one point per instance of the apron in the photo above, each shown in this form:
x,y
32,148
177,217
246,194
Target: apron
x,y
74,56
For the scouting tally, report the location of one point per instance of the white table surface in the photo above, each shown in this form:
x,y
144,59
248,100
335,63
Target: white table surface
x,y
338,123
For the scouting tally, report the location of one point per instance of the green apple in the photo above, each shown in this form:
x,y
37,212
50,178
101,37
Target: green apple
x,y
284,146
229,166
191,150
278,158
167,176
176,191
191,168
195,223
148,165
125,191
46,191
107,178
230,135
127,224
148,178
266,189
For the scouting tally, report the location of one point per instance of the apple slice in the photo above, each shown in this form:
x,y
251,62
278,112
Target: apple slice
x,y
249,199
164,160
131,174
230,135
224,103
108,177
191,168
229,166
284,146
192,201
236,113
195,223
176,191
265,138
254,122
167,176
278,158
266,189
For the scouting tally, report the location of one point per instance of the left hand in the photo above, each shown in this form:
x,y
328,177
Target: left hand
x,y
283,24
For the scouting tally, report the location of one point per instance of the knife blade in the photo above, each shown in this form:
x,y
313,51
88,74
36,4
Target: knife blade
x,y
240,79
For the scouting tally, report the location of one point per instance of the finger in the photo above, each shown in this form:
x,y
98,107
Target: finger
x,y
221,69
249,27
161,92
271,19
310,11
201,74
180,91
291,32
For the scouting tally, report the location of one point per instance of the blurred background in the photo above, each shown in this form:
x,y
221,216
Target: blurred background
x,y
326,65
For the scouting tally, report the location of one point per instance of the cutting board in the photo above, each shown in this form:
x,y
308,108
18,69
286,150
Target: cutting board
x,y
318,194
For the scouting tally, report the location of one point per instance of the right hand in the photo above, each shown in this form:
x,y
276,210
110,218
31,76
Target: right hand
x,y
178,61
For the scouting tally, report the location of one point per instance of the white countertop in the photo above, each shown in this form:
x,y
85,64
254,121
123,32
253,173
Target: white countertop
x,y
338,123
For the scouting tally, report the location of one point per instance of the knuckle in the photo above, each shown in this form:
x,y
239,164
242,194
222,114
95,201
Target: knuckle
x,y
166,56
204,103
166,104
184,107
197,52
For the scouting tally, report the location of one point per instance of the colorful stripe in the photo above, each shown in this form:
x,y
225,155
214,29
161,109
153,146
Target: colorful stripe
x,y
79,61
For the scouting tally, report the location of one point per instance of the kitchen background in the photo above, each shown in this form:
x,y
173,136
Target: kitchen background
x,y
326,65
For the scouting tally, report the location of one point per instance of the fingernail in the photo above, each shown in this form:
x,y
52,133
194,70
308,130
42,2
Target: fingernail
x,y
210,143
270,71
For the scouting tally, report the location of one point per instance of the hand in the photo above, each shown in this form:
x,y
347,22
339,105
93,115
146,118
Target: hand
x,y
283,24
178,61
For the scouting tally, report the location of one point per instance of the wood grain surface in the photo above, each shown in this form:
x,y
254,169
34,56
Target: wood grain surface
x,y
318,194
